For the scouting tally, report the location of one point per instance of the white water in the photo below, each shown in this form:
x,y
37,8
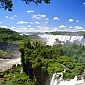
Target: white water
x,y
51,39
53,79
74,81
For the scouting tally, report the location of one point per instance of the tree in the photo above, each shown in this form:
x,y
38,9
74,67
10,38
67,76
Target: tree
x,y
8,4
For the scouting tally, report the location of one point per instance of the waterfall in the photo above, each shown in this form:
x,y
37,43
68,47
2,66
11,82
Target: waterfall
x,y
60,81
51,39
53,79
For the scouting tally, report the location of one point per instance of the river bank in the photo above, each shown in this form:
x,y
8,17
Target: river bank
x,y
7,63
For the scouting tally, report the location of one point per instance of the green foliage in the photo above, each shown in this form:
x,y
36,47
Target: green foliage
x,y
68,75
6,54
37,1
46,60
7,36
39,62
54,67
14,77
78,70
76,52
8,4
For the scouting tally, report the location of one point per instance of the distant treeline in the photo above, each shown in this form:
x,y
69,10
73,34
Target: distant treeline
x,y
80,33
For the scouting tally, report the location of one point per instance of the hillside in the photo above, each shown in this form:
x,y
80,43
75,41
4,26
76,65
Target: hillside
x,y
7,35
8,46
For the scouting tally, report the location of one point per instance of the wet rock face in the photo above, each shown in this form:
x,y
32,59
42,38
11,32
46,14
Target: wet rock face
x,y
9,51
12,47
3,46
84,36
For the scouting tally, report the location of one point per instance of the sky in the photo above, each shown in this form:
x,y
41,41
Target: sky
x,y
59,15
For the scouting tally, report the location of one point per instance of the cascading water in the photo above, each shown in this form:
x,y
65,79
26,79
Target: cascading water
x,y
53,79
74,81
61,81
51,39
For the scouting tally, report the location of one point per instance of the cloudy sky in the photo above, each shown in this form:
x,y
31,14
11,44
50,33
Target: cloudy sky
x,y
59,15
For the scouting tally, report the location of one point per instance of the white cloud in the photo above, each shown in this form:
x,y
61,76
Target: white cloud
x,y
13,28
55,29
42,15
83,3
62,26
43,27
46,22
36,17
22,22
71,20
78,27
15,16
31,23
71,27
30,11
56,18
77,20
22,29
47,19
37,26
3,26
29,26
12,17
39,17
7,17
0,22
37,22
25,29
65,28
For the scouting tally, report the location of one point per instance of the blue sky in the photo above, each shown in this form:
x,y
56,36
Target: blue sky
x,y
59,15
